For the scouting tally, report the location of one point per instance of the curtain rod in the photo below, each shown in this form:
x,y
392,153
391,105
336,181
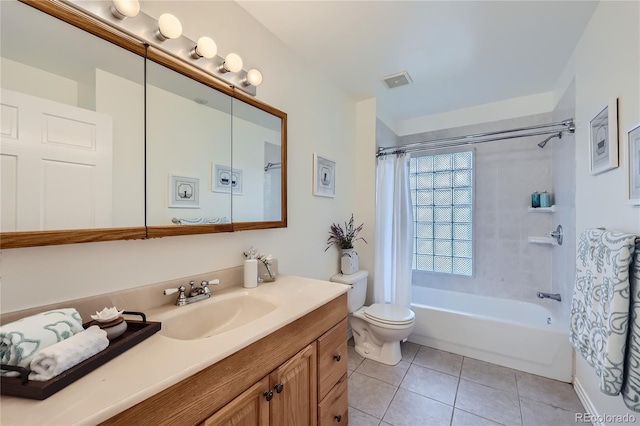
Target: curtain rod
x,y
567,125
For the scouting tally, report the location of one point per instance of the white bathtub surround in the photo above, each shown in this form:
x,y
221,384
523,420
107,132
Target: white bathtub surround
x,y
563,262
600,311
510,333
506,173
394,231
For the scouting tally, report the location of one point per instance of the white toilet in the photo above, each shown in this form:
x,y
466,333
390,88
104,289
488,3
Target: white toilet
x,y
377,329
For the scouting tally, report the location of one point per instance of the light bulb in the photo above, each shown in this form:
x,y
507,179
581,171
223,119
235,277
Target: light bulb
x,y
169,27
125,8
232,63
254,77
205,48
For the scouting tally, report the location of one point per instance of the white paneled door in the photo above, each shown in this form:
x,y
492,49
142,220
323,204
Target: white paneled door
x,y
56,165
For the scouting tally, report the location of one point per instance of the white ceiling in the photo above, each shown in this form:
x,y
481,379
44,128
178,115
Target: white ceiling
x,y
458,53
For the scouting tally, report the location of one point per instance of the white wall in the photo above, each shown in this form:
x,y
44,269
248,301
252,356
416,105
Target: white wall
x,y
365,179
249,156
33,81
176,147
606,63
500,110
128,152
321,118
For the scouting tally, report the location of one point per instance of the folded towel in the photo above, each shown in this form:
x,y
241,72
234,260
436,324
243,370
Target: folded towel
x,y
600,307
58,358
200,220
21,340
631,387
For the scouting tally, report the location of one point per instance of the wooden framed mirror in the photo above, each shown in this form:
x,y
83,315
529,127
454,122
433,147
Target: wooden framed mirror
x,y
129,213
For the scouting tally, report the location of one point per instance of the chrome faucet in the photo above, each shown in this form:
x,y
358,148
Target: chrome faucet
x,y
554,296
196,294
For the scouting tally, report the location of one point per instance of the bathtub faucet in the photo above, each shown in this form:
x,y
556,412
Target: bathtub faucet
x,y
554,296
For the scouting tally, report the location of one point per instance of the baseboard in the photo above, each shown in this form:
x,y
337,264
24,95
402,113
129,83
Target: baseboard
x,y
586,401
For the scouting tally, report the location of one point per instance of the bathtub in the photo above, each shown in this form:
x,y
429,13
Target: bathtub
x,y
511,333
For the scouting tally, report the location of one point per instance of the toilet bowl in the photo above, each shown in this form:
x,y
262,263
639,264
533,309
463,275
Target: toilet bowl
x,y
377,329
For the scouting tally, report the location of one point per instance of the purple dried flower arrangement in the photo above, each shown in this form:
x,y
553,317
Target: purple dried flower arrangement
x,y
344,238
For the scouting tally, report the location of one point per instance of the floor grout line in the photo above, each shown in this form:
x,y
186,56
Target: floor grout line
x,y
457,390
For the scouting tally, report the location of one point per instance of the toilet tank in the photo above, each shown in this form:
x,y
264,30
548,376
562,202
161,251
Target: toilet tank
x,y
358,292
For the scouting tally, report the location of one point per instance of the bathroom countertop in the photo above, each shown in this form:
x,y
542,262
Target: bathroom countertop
x,y
160,362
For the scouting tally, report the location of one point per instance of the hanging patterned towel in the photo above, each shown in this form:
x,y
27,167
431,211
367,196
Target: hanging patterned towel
x,y
600,307
631,387
21,340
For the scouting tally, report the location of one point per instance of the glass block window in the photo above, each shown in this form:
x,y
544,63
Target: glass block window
x,y
442,197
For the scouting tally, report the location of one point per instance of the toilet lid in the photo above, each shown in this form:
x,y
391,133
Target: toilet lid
x,y
389,314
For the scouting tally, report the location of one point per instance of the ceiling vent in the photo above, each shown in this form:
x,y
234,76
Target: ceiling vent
x,y
396,80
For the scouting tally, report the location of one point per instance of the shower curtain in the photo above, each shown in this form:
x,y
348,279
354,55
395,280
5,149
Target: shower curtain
x,y
394,231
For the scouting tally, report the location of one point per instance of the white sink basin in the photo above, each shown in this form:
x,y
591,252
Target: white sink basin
x,y
218,314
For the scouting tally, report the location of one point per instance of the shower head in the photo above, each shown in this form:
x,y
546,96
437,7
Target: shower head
x,y
544,142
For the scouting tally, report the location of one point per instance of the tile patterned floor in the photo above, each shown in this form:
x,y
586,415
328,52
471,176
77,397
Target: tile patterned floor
x,y
432,388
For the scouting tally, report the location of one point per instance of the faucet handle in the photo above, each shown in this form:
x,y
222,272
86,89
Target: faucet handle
x,y
182,298
205,285
174,290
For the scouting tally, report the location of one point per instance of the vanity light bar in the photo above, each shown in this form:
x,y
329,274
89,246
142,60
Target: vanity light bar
x,y
144,28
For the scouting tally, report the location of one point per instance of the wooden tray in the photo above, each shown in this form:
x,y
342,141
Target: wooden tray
x,y
22,387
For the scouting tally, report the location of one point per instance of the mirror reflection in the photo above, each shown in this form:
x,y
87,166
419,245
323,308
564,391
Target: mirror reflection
x,y
72,131
257,163
189,173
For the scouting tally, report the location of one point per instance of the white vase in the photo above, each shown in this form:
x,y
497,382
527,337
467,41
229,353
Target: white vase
x,y
349,262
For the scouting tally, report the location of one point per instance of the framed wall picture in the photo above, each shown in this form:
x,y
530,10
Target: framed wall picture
x,y
603,139
633,172
226,179
324,176
184,192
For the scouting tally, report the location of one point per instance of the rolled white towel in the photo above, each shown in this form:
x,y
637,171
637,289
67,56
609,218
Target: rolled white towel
x,y
21,340
60,357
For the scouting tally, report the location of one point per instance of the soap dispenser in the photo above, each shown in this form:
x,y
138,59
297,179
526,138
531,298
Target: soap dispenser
x,y
251,269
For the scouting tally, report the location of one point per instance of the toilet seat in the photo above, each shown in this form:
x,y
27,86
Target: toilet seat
x,y
385,313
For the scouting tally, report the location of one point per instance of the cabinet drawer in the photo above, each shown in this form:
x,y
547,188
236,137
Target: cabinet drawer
x,y
332,357
333,409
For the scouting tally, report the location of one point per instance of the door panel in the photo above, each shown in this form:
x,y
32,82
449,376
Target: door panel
x,y
296,404
249,409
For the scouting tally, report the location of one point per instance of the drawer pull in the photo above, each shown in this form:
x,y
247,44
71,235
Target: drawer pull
x,y
337,358
279,387
268,395
338,418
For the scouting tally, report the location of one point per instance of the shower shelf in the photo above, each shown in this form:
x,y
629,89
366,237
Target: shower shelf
x,y
543,240
542,209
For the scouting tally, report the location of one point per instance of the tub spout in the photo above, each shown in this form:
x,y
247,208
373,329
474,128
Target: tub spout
x,y
554,296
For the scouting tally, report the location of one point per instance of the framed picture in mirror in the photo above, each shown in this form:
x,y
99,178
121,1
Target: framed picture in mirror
x,y
633,172
603,139
324,176
184,192
226,179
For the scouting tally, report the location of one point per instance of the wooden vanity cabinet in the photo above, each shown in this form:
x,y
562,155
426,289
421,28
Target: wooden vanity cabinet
x,y
300,356
287,397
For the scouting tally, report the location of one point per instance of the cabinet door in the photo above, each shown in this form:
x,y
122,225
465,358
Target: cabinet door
x,y
294,385
250,408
